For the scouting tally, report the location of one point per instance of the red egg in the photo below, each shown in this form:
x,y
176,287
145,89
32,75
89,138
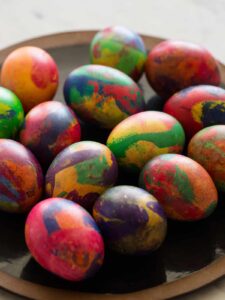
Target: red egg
x,y
32,74
197,107
64,239
174,65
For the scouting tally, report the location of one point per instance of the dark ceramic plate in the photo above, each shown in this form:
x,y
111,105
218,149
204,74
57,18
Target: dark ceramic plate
x,y
188,247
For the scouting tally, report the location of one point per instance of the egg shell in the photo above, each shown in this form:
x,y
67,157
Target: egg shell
x,y
120,48
49,128
130,219
174,65
207,147
11,112
143,136
181,185
197,107
32,74
64,239
21,177
81,172
102,95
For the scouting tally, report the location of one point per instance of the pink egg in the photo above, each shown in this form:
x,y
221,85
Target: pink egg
x,y
64,239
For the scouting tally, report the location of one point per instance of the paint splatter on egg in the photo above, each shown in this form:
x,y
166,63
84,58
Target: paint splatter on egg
x,y
143,136
207,147
31,74
181,185
64,239
21,177
102,95
49,128
130,219
120,48
174,65
81,172
11,114
197,107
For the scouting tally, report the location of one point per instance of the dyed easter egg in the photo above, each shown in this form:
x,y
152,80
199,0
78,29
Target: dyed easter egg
x,y
181,185
21,177
120,48
31,74
197,107
49,128
102,95
131,220
64,239
207,147
11,114
81,172
143,136
174,65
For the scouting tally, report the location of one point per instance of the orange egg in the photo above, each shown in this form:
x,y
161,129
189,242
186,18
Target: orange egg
x,y
32,74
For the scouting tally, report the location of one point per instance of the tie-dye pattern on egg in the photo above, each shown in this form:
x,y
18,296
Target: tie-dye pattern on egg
x,y
64,239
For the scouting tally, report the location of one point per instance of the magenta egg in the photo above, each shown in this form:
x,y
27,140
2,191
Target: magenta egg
x,y
64,239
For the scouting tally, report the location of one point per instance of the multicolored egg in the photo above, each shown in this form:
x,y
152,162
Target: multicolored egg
x,y
207,147
31,74
174,65
197,107
181,185
11,114
64,239
49,128
130,219
120,48
81,173
102,95
143,136
21,177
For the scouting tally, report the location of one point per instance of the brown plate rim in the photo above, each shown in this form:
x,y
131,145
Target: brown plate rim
x,y
177,287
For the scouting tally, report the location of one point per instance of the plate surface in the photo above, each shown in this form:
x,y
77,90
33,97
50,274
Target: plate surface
x,y
188,247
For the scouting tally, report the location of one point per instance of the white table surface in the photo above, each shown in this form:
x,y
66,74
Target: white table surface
x,y
200,21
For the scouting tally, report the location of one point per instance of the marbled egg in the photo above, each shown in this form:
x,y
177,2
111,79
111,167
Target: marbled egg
x,y
11,114
143,136
181,185
174,65
21,177
131,220
207,147
102,95
120,48
49,128
64,239
197,107
81,172
32,74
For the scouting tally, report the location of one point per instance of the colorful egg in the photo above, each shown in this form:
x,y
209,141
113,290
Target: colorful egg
x,y
11,114
81,172
31,74
197,107
102,95
21,177
120,48
49,128
143,136
130,219
181,185
64,239
207,147
174,65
